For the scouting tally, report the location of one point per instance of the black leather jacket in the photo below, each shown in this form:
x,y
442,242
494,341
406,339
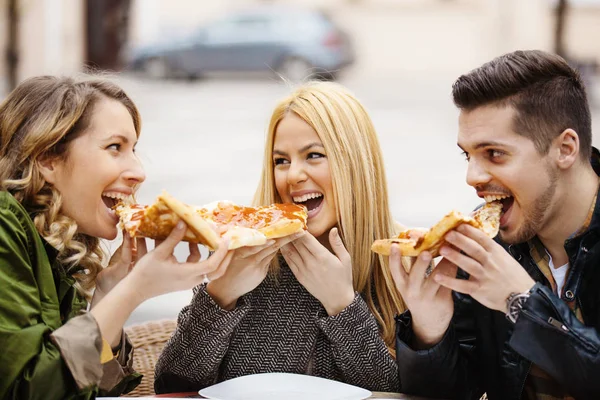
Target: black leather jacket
x,y
483,352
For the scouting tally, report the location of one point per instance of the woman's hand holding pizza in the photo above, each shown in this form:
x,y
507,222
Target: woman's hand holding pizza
x,y
327,276
120,264
247,270
159,272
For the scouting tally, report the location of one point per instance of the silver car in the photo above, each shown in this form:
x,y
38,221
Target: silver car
x,y
296,44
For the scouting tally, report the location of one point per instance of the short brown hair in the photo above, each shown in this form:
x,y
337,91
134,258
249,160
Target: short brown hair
x,y
546,93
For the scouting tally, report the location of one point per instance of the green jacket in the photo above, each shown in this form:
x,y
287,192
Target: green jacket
x,y
37,298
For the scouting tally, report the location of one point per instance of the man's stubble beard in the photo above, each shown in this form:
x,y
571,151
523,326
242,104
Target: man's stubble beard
x,y
535,217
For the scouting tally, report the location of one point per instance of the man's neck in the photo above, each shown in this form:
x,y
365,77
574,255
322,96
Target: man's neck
x,y
570,215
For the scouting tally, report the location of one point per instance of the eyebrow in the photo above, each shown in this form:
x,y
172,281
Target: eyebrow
x,y
302,150
123,138
486,144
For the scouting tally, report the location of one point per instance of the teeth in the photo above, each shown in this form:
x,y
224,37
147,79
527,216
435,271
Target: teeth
x,y
116,195
493,197
305,197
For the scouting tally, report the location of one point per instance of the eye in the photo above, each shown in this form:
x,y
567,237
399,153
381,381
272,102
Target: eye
x,y
315,155
280,161
465,155
114,146
495,154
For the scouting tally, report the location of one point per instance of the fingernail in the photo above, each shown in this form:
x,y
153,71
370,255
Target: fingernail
x,y
180,225
394,251
425,256
444,251
270,242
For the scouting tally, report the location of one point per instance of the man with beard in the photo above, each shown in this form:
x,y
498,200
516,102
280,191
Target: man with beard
x,y
521,317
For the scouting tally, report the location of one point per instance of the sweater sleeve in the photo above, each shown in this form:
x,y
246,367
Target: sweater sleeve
x,y
190,361
360,353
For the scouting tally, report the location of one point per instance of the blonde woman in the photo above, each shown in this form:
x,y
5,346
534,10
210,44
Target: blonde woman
x,y
67,151
327,308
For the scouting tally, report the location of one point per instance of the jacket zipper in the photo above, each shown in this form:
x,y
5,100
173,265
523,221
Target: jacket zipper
x,y
556,323
560,327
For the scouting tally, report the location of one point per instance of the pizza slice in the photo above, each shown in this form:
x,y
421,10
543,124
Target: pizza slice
x,y
243,226
413,242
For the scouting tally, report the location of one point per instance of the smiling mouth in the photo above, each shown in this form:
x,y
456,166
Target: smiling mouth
x,y
311,201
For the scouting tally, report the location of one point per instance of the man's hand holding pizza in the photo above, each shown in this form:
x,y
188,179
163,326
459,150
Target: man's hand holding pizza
x,y
494,274
247,270
327,276
430,304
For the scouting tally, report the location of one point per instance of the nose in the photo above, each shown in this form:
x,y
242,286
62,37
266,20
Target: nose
x,y
476,174
296,173
134,173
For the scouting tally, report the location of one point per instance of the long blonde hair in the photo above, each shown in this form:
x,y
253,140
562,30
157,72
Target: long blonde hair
x,y
359,186
39,119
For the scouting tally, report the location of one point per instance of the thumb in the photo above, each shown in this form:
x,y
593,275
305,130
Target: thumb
x,y
165,249
337,245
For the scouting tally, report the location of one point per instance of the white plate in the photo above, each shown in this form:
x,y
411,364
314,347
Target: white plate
x,y
283,386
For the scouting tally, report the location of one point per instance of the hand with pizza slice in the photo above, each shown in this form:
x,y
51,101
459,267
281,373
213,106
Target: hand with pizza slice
x,y
412,242
430,303
256,232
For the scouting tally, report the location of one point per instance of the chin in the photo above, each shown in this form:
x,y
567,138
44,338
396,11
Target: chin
x,y
111,236
515,236
108,234
315,232
507,237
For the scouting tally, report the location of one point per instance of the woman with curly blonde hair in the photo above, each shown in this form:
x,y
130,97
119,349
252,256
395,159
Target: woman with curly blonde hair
x,y
327,308
67,154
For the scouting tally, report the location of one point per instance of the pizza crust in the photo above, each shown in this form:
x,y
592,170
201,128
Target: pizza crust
x,y
240,236
201,228
283,228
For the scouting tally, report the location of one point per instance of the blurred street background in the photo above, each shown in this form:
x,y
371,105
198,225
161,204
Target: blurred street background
x,y
206,75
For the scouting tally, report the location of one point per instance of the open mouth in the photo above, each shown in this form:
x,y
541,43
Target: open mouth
x,y
111,199
311,201
507,203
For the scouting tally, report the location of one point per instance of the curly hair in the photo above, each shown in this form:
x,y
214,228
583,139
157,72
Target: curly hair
x,y
38,120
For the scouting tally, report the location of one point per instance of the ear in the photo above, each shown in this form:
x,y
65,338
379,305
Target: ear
x,y
48,167
566,147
